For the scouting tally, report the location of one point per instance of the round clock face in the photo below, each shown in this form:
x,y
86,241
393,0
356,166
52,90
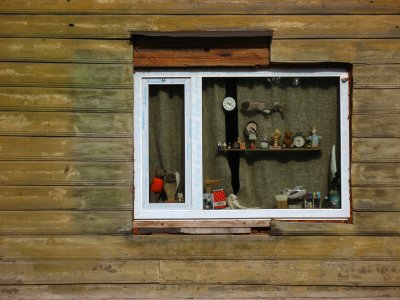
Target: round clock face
x,y
299,141
252,127
229,104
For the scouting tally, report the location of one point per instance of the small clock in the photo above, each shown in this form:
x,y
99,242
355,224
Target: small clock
x,y
299,140
252,130
229,104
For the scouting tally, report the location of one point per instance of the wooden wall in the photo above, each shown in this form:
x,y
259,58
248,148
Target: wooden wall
x,y
66,159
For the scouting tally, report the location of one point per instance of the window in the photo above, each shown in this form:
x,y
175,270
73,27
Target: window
x,y
270,144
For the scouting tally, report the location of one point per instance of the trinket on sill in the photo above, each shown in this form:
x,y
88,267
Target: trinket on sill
x,y
287,140
219,146
264,143
157,186
236,144
314,138
276,139
251,131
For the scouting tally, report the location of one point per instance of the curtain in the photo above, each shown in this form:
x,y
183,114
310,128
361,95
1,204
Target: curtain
x,y
306,102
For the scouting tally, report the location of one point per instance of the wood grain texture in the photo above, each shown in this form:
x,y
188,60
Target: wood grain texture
x,y
65,222
69,149
66,99
79,271
376,101
243,247
376,150
383,76
201,57
373,174
376,199
114,26
66,75
294,272
44,198
58,50
336,50
376,125
365,223
200,7
195,291
66,173
66,124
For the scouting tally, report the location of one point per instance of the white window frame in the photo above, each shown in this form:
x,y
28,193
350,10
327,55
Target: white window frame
x,y
193,206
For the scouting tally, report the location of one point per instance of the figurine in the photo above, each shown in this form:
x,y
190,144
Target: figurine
x,y
236,144
314,138
219,146
224,146
287,140
276,139
264,143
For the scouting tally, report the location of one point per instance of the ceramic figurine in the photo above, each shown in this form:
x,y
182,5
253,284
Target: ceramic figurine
x,y
314,138
287,140
224,146
236,144
276,139
219,146
264,143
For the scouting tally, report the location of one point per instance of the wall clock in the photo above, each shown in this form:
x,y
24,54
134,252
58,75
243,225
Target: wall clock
x,y
229,104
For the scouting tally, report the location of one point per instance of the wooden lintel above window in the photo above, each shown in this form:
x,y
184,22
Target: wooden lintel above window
x,y
201,49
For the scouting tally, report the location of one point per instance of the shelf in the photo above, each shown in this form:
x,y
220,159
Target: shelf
x,y
273,150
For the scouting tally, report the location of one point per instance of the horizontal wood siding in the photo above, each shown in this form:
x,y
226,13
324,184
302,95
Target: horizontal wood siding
x,y
116,26
203,7
66,156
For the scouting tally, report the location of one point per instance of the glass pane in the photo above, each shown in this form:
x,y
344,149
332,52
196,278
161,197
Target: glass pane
x,y
166,144
272,145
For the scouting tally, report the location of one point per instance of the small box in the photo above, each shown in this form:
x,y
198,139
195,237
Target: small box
x,y
219,199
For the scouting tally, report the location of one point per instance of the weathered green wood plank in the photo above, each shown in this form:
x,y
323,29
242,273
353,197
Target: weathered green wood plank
x,y
66,124
200,7
365,223
376,76
66,173
375,150
114,26
65,99
376,125
243,247
376,199
350,51
65,222
66,75
57,50
80,271
293,272
60,148
370,174
65,198
195,291
376,101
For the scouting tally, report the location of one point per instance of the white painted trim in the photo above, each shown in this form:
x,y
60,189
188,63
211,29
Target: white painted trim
x,y
193,209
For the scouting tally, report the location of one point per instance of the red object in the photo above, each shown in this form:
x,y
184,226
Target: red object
x,y
157,185
219,199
